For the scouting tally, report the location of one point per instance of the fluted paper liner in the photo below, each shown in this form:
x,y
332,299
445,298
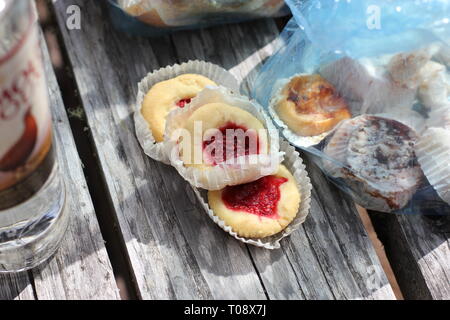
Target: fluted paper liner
x,y
440,117
336,147
433,153
295,165
156,150
433,150
222,175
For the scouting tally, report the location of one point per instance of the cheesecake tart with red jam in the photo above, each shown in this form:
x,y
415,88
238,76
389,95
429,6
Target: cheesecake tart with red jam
x,y
223,133
259,208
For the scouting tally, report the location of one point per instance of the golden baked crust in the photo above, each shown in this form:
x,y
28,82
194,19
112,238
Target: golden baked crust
x,y
310,105
148,16
217,115
164,96
251,225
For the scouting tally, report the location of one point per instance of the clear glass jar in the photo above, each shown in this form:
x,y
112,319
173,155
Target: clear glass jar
x,y
32,193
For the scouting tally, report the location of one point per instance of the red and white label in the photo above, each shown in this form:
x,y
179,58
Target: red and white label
x,y
25,120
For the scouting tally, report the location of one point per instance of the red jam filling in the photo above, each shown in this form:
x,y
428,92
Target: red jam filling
x,y
183,102
233,148
259,197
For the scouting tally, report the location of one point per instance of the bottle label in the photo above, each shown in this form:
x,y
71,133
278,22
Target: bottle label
x,y
25,121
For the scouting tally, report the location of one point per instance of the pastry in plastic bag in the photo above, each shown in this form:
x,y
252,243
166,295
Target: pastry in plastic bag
x,y
404,68
310,105
376,157
365,85
260,208
434,85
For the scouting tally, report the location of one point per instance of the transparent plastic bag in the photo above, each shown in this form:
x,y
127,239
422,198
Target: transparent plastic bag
x,y
157,17
363,86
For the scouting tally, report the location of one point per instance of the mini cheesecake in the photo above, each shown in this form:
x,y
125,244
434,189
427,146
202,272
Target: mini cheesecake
x,y
260,208
309,105
240,132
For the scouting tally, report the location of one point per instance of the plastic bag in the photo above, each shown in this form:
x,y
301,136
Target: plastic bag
x,y
363,86
157,17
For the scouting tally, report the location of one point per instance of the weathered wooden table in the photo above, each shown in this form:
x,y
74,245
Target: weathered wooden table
x,y
160,244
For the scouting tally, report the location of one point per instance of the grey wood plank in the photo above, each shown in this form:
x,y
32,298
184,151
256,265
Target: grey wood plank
x,y
16,287
341,244
81,268
174,249
331,257
430,249
418,248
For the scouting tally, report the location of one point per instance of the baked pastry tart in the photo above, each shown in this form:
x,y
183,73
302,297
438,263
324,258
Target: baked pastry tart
x,y
309,105
240,134
405,68
260,208
376,157
168,95
221,139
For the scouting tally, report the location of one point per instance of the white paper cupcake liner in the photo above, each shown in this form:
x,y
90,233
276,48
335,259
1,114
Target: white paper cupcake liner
x,y
153,149
220,176
433,153
295,165
440,117
337,145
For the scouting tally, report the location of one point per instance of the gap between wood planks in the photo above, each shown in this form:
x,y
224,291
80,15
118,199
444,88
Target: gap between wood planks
x,y
379,248
113,240
114,243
